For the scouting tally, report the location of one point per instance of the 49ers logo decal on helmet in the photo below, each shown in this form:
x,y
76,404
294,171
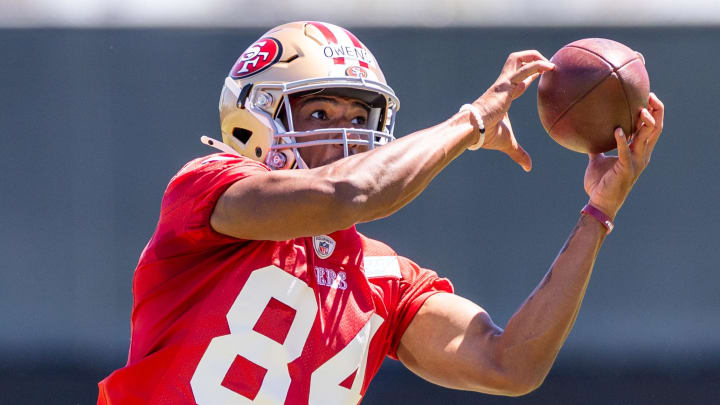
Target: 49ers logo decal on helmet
x,y
259,56
356,71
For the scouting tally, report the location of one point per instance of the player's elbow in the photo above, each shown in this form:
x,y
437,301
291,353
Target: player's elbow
x,y
523,387
522,378
510,374
525,378
509,383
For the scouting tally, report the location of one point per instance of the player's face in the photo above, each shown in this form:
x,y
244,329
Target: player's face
x,y
321,111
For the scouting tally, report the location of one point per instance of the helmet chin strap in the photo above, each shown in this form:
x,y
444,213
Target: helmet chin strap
x,y
214,143
280,128
223,147
299,162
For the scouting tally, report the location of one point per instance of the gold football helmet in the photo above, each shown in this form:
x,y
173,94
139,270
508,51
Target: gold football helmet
x,y
296,59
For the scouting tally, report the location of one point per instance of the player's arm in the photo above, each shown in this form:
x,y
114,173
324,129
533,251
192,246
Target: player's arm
x,y
454,343
281,205
284,204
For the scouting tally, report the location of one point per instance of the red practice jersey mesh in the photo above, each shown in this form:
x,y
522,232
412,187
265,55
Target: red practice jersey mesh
x,y
219,320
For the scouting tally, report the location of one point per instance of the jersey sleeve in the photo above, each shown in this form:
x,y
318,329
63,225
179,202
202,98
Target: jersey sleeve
x,y
416,286
191,196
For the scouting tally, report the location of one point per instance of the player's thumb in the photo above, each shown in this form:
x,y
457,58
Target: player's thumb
x,y
623,148
521,157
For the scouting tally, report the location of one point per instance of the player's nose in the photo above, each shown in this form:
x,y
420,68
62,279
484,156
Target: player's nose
x,y
354,139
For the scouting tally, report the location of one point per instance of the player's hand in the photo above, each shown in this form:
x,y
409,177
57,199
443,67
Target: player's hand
x,y
520,69
608,179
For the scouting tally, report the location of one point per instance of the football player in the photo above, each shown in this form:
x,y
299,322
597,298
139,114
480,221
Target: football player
x,y
256,286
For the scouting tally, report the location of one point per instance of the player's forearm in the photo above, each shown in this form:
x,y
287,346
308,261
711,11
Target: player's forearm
x,y
535,333
382,181
355,189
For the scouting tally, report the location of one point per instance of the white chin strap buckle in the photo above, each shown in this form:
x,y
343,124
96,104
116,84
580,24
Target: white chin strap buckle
x,y
277,160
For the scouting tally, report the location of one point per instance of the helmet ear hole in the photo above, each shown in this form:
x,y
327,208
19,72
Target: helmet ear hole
x,y
242,135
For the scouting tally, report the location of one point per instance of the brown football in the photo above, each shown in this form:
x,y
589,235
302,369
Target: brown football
x,y
597,85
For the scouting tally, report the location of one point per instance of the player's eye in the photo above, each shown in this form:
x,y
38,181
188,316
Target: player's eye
x,y
319,115
359,120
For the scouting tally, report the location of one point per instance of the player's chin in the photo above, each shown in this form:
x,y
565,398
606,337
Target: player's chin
x,y
331,154
332,159
315,161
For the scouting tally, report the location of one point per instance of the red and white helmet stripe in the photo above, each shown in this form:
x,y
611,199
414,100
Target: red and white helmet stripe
x,y
343,46
357,44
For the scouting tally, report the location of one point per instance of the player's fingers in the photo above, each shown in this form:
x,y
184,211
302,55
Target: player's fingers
x,y
526,56
645,126
520,88
623,148
529,69
656,106
647,118
657,109
530,79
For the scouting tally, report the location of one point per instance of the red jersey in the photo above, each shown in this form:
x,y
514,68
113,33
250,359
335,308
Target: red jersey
x,y
219,320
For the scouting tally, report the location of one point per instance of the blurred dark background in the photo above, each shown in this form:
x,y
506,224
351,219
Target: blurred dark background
x,y
93,123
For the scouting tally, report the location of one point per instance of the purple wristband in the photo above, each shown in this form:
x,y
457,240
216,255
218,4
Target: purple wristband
x,y
600,216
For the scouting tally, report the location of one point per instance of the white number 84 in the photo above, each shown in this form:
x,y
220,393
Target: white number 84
x,y
262,285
